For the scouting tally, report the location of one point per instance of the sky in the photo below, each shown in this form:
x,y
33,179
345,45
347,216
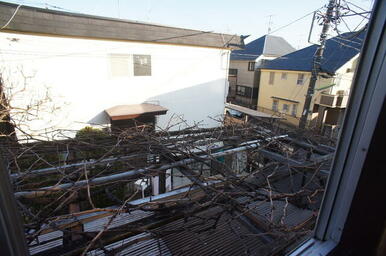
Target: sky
x,y
243,17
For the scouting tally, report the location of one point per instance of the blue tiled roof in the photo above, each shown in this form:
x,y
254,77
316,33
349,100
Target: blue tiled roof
x,y
338,51
266,45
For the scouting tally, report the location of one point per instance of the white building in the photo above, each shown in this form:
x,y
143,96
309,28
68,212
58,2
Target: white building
x,y
88,64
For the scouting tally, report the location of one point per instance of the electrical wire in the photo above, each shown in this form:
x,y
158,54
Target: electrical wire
x,y
292,22
13,16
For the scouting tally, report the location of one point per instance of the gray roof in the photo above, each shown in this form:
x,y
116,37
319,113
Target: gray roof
x,y
50,22
267,45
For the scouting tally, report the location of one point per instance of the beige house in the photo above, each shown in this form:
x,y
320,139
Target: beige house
x,y
284,83
243,80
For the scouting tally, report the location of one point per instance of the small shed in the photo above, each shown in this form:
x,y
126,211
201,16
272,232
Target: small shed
x,y
128,116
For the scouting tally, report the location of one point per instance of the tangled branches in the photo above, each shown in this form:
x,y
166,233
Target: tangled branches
x,y
101,193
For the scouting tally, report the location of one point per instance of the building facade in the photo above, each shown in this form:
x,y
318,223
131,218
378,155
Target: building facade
x,y
79,66
243,80
284,83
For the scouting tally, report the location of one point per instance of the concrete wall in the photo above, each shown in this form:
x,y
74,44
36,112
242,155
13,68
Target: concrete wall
x,y
286,89
76,77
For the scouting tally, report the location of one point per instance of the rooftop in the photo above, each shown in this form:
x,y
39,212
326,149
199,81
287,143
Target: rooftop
x,y
26,19
266,45
122,112
338,51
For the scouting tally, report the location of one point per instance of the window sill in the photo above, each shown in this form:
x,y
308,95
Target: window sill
x,y
314,247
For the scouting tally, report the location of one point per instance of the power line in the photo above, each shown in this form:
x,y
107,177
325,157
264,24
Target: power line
x,y
174,37
44,4
357,6
292,22
10,19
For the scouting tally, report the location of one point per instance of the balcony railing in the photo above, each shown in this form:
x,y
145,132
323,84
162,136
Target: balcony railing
x,y
333,101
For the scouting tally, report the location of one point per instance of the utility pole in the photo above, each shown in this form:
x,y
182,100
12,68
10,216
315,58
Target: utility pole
x,y
316,64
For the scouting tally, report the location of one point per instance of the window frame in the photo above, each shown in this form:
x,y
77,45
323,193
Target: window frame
x,y
240,92
285,108
275,107
116,60
247,91
368,92
234,73
271,79
251,65
300,81
284,75
294,110
148,65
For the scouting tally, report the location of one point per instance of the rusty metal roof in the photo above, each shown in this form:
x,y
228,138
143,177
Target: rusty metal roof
x,y
193,236
202,234
122,112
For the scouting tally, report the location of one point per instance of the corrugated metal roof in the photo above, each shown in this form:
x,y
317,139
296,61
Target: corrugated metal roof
x,y
266,45
190,237
338,51
194,236
46,242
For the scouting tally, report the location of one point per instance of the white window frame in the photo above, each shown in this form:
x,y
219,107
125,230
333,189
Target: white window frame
x,y
300,81
271,79
120,65
368,93
284,76
251,65
294,109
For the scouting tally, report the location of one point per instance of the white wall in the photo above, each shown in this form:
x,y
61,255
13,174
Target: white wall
x,y
189,81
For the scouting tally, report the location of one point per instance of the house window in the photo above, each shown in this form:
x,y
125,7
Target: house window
x,y
233,72
271,77
240,90
284,76
251,66
142,65
300,80
275,105
285,108
119,65
294,109
244,91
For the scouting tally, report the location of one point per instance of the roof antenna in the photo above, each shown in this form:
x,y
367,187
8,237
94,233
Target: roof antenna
x,y
119,10
270,23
